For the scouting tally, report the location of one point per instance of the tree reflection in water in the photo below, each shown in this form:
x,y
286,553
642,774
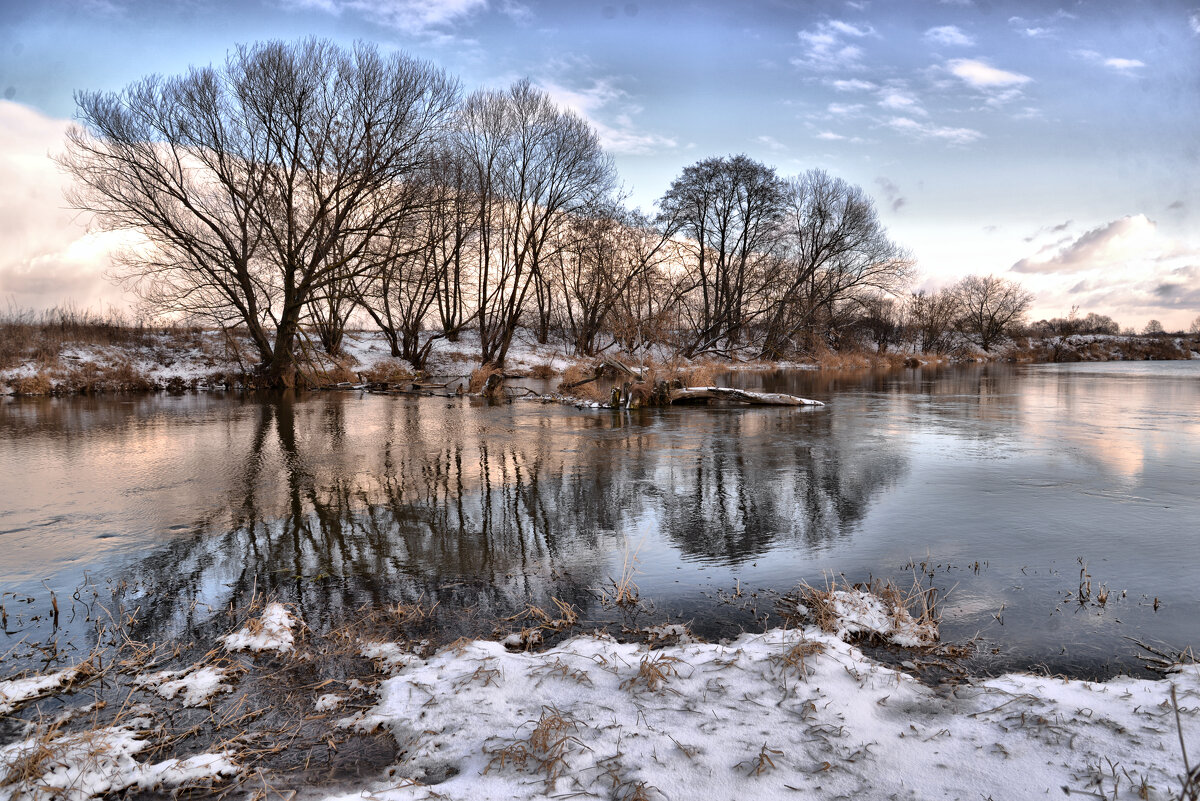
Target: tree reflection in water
x,y
335,507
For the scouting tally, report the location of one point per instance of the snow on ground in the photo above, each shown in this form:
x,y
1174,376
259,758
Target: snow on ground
x,y
93,763
785,714
328,702
271,632
15,692
858,613
195,686
387,654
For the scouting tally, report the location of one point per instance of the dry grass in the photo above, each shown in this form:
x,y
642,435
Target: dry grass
x,y
917,606
794,659
542,371
545,750
480,376
565,616
41,336
653,672
387,371
762,762
623,591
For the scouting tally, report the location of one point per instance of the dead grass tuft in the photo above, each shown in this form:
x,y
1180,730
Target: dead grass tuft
x,y
623,591
542,371
546,749
387,371
653,672
480,375
760,763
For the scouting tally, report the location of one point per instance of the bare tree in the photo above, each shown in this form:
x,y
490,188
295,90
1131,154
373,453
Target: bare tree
x,y
990,307
532,165
834,246
931,318
1153,328
608,255
258,185
728,210
1195,329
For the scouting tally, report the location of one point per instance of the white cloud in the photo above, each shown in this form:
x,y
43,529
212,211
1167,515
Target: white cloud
x,y
1123,64
1194,21
418,17
49,258
949,36
1112,244
845,108
981,75
830,136
926,130
852,85
898,100
603,99
826,47
771,143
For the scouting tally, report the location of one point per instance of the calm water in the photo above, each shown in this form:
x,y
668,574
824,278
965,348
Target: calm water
x,y
336,501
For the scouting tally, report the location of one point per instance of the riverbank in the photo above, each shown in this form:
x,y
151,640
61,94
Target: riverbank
x,y
801,711
108,359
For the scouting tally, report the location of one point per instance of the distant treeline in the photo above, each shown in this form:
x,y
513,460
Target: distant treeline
x,y
299,187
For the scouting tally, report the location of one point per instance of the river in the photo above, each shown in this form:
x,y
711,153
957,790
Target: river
x,y
1009,488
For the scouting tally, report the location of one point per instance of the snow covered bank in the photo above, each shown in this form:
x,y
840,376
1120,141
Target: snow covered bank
x,y
15,692
785,714
95,763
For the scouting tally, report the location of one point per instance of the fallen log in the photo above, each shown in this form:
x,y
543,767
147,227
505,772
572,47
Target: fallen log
x,y
695,394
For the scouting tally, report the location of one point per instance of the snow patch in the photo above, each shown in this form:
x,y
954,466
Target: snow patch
x,y
271,632
88,764
15,692
196,686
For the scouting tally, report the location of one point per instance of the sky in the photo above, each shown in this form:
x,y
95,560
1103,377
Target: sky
x,y
1053,145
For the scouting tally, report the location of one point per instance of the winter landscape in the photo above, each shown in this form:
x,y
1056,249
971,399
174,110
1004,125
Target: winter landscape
x,y
486,399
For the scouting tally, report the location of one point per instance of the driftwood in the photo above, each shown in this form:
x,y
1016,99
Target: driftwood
x,y
694,394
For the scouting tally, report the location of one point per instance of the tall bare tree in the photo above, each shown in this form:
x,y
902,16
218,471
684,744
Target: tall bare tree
x,y
728,210
834,246
990,307
257,185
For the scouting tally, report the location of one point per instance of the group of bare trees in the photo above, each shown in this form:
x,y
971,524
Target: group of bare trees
x,y
298,189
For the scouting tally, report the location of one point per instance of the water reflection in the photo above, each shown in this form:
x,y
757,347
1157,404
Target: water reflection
x,y
338,502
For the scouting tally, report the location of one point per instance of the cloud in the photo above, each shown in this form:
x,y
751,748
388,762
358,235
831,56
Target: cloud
x,y
853,85
925,130
826,47
1194,21
981,75
1111,244
1123,65
601,101
417,17
49,258
899,100
845,108
949,36
771,143
830,136
891,193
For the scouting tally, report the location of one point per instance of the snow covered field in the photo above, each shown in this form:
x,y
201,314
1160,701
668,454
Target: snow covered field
x,y
789,713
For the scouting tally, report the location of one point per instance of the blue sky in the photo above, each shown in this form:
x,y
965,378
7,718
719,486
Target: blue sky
x,y
1052,144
